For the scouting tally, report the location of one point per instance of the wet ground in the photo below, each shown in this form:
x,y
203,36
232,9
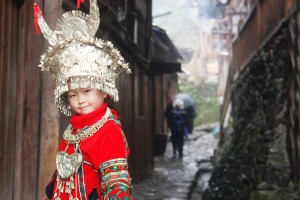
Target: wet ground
x,y
176,179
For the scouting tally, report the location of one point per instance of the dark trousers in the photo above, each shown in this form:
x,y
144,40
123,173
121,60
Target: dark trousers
x,y
177,143
177,139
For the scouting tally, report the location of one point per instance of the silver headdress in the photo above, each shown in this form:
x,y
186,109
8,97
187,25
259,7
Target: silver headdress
x,y
76,55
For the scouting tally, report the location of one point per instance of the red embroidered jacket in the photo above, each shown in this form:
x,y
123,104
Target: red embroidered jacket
x,y
104,167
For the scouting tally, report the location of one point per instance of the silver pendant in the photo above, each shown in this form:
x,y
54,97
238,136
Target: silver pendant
x,y
66,164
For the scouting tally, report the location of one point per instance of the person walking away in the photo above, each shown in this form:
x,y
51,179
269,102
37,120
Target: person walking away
x,y
178,127
92,159
190,116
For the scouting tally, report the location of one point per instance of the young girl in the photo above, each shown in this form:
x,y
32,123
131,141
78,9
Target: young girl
x,y
92,159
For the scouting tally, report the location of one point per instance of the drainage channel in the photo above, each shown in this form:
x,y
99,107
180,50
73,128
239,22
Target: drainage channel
x,y
200,182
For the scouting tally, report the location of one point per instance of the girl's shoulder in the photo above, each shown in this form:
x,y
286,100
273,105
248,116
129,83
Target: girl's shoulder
x,y
110,127
114,113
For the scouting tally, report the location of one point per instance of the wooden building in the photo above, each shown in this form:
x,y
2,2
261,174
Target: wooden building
x,y
262,98
30,124
164,65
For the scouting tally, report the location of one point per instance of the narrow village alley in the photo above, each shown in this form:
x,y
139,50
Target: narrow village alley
x,y
238,61
176,179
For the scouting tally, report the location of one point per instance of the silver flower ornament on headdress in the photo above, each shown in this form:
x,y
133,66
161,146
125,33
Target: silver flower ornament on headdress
x,y
76,55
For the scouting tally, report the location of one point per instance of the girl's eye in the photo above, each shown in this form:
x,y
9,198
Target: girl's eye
x,y
86,91
72,95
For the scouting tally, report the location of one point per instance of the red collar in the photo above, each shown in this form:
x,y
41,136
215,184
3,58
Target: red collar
x,y
80,121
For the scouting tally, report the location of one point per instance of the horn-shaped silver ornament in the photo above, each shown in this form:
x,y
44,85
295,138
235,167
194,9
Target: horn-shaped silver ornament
x,y
49,35
93,21
72,25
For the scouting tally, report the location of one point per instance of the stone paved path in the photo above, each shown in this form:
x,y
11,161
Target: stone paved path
x,y
176,179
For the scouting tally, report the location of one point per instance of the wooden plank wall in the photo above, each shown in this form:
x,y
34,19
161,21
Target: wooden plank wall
x,y
50,129
8,84
24,152
135,111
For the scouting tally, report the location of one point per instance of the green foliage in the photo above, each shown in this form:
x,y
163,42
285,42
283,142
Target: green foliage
x,y
208,111
206,99
262,195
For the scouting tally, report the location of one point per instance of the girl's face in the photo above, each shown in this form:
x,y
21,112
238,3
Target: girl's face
x,y
85,100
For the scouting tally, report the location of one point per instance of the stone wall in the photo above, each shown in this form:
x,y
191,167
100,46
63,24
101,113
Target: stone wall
x,y
252,162
293,116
